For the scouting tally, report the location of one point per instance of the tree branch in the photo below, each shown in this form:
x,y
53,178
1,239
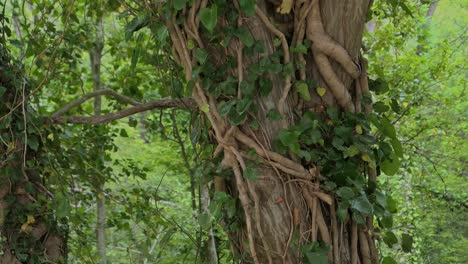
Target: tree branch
x,y
58,118
86,97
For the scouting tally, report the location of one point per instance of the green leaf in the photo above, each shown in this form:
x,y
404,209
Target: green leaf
x,y
389,260
362,205
135,56
33,143
205,108
250,172
287,137
390,239
123,132
387,128
381,107
243,105
396,144
392,205
2,90
247,6
406,242
209,17
273,115
161,33
351,151
265,85
303,90
405,8
391,165
387,220
63,207
342,212
179,4
204,220
244,35
200,55
136,24
301,48
345,193
225,107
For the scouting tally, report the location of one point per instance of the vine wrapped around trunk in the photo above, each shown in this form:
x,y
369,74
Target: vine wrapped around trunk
x,y
29,230
282,85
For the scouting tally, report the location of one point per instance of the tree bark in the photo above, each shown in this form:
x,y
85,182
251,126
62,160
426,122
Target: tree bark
x,y
95,55
283,208
29,230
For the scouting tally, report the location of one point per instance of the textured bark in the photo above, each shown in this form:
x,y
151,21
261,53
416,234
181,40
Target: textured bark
x,y
344,22
28,231
284,209
95,55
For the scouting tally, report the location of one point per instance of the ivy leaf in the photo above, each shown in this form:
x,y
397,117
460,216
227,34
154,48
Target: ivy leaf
x,y
200,55
179,4
33,143
250,172
345,193
247,6
225,107
342,212
204,221
321,91
301,48
62,208
351,151
387,128
136,24
381,107
362,205
387,220
287,137
243,105
358,129
2,90
205,108
389,260
392,205
303,90
396,144
390,239
244,35
209,17
273,115
406,243
391,165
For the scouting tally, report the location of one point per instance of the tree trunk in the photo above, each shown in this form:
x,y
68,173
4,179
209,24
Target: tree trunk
x,y
285,208
29,230
95,55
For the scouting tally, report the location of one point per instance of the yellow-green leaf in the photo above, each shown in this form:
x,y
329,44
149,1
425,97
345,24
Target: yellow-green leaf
x,y
321,91
358,129
285,7
303,90
205,108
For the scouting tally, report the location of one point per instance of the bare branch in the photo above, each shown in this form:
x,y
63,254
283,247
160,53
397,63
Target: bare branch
x,y
88,96
182,103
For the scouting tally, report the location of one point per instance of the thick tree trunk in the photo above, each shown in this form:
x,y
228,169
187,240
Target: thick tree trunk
x,y
285,209
27,226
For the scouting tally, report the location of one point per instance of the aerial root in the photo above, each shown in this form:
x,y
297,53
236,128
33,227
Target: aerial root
x,y
364,246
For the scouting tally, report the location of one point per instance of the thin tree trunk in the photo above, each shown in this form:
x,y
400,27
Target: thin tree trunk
x,y
95,58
